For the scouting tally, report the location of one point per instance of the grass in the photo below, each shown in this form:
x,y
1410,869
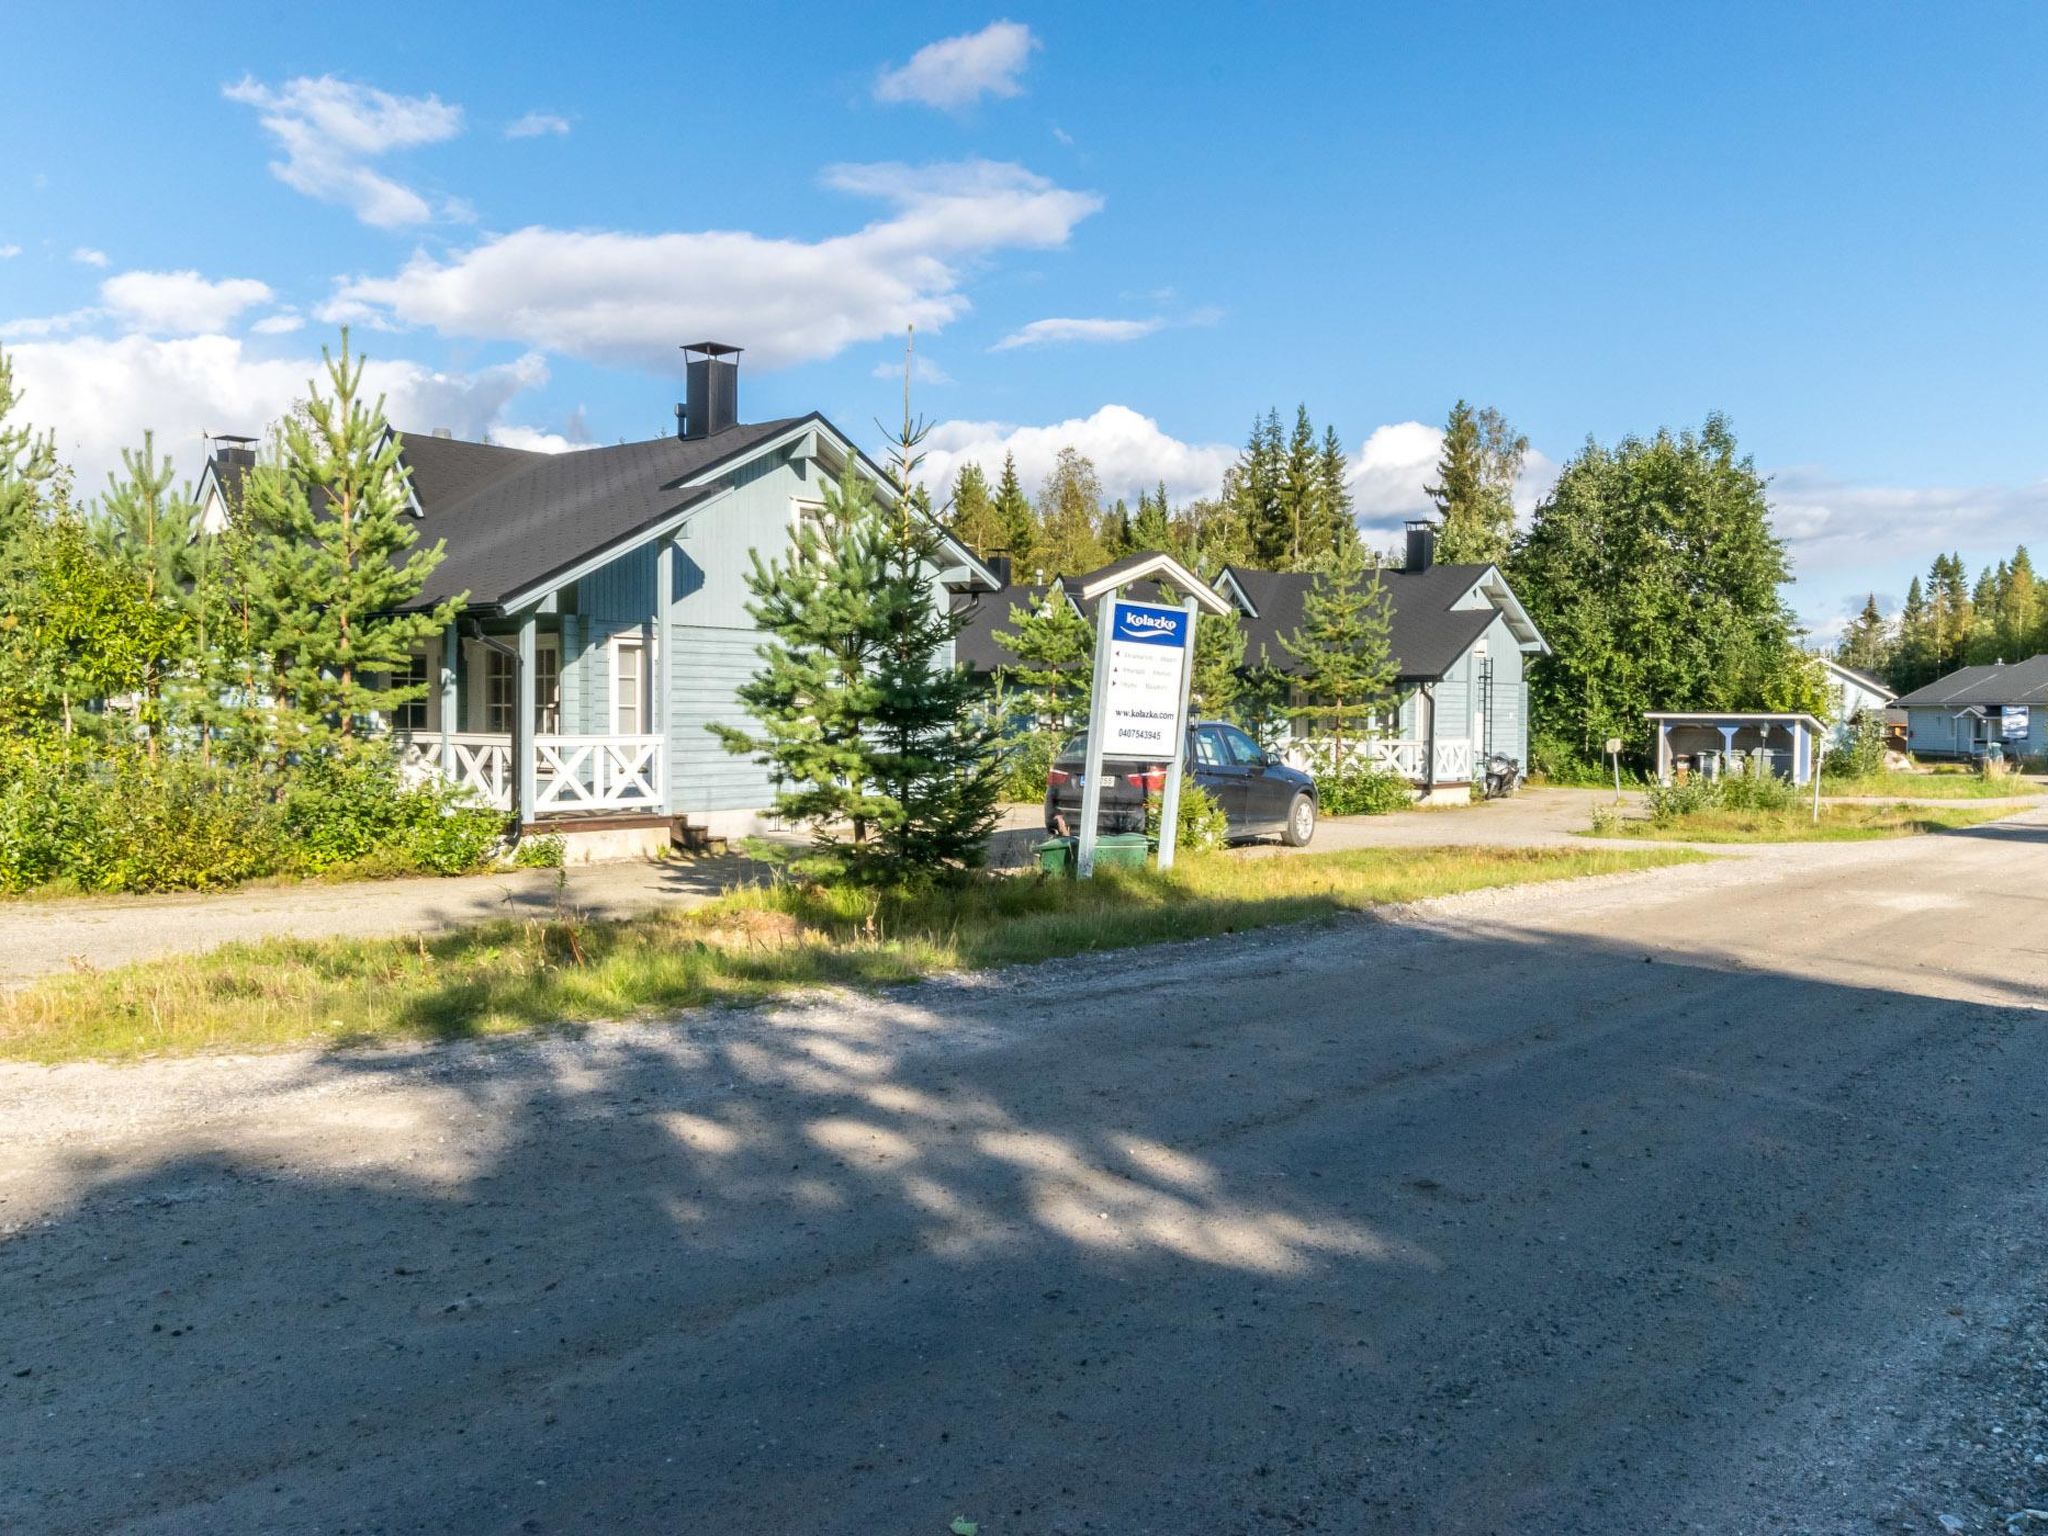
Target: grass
x,y
1839,823
1930,786
744,947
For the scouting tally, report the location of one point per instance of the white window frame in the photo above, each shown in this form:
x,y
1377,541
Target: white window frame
x,y
431,702
642,642
480,663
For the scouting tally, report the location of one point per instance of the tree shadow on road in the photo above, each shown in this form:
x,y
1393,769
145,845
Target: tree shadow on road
x,y
1370,1229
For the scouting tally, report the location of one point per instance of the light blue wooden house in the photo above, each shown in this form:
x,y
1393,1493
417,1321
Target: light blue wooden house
x,y
1959,716
604,621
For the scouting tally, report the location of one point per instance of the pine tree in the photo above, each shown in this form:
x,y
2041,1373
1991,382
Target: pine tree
x,y
333,563
153,532
1343,665
28,460
1301,496
862,727
974,518
1219,661
1251,500
2019,608
1069,512
1116,531
1055,668
1474,494
1914,665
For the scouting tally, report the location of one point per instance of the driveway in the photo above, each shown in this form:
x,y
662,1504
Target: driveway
x,y
1704,1200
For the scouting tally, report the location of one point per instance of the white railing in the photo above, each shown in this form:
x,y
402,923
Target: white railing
x,y
1454,762
597,773
478,761
1408,759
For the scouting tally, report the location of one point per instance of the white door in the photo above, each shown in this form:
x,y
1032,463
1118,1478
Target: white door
x,y
629,686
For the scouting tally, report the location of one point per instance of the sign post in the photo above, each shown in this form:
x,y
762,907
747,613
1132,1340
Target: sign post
x,y
1614,752
1138,709
1169,799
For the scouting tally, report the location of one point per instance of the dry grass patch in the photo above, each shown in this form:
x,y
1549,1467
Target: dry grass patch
x,y
747,946
1840,822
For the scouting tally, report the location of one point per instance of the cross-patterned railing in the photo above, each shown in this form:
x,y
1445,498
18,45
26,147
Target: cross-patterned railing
x,y
597,773
1408,759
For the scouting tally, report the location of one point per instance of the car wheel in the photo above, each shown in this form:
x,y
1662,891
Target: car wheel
x,y
1301,822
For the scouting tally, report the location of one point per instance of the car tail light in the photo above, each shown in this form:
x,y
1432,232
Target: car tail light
x,y
1055,777
1151,781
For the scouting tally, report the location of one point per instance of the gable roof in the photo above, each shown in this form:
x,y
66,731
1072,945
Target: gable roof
x,y
1860,679
2019,682
1428,630
512,518
1427,633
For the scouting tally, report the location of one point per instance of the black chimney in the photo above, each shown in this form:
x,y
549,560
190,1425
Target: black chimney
x,y
711,389
1421,546
998,567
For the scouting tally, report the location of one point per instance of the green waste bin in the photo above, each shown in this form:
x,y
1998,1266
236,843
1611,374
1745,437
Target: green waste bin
x,y
1122,850
1056,856
1114,850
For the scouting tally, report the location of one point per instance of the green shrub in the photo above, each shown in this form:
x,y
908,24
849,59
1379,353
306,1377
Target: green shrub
x,y
126,823
1363,792
540,853
1201,824
1026,757
1863,757
1731,792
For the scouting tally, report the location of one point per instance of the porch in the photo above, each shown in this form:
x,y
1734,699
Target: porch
x,y
1419,762
570,774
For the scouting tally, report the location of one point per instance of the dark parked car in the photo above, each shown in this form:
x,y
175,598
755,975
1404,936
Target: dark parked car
x,y
1260,796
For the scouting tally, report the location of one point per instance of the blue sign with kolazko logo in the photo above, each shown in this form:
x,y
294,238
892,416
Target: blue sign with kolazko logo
x,y
1146,625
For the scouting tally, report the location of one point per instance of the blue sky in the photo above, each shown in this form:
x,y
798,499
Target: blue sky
x,y
1125,228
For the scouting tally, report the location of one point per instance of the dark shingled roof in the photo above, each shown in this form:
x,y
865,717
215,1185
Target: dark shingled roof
x,y
1428,635
2021,682
513,518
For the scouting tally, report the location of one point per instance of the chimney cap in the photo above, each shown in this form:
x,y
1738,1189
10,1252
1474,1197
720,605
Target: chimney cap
x,y
229,437
713,348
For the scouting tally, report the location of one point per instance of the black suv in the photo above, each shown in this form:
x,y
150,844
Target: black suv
x,y
1260,796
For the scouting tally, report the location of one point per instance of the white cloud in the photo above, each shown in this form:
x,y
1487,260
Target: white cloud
x,y
1049,332
182,303
283,323
616,297
1129,451
331,129
86,256
101,394
1394,465
534,439
535,124
9,252
922,371
956,72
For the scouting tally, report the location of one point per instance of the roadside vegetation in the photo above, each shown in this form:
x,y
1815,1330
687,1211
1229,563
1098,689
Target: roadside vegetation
x,y
1742,809
745,947
1893,783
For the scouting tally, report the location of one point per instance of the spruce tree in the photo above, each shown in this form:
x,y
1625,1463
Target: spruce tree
x,y
28,459
333,561
1477,468
1013,520
1152,529
1867,643
1339,528
974,519
1344,668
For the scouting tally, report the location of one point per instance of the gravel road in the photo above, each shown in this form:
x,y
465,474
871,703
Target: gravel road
x,y
1705,1200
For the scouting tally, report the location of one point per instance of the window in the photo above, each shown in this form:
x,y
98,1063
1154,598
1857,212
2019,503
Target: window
x,y
415,713
501,692
501,688
629,686
1242,749
1209,748
547,687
